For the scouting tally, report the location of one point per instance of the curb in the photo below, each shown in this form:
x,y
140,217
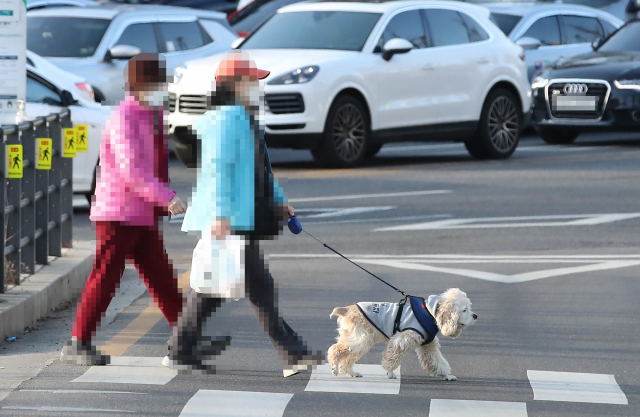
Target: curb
x,y
53,285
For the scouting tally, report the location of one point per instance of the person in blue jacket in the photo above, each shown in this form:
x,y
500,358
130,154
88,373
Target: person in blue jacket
x,y
236,194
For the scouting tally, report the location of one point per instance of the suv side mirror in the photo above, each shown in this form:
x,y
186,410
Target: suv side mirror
x,y
395,46
528,43
633,7
596,44
67,99
123,52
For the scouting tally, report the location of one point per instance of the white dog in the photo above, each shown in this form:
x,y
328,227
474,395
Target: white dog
x,y
363,325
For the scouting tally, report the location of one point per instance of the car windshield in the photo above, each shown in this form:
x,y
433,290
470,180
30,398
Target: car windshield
x,y
506,22
57,36
347,31
255,12
624,40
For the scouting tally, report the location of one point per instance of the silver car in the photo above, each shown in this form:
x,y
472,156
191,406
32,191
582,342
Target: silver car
x,y
549,32
95,42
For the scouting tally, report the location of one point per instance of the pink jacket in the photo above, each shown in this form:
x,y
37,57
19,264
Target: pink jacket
x,y
126,188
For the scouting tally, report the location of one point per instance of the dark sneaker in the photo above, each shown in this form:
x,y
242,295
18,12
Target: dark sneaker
x,y
76,352
206,349
305,363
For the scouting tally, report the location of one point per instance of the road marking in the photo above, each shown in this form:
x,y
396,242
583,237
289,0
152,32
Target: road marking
x,y
360,196
374,381
81,391
380,219
66,409
336,212
458,408
140,326
576,387
206,403
515,222
129,370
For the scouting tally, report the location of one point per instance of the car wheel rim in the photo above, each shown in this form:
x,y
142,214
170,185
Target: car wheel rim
x,y
348,132
503,123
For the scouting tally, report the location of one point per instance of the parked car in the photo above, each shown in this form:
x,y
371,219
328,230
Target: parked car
x,y
95,42
598,91
48,91
245,20
41,4
549,32
66,80
224,6
347,77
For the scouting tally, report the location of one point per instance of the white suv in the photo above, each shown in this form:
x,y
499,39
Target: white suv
x,y
347,77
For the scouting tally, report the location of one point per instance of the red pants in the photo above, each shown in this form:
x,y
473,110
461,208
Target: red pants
x,y
115,243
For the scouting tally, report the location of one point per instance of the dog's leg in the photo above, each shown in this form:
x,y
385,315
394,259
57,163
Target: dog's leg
x,y
336,354
433,362
354,353
397,347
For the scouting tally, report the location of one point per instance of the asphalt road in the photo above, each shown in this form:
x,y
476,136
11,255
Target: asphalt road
x,y
545,244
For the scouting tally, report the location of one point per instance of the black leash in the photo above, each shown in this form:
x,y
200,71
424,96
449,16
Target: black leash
x,y
405,295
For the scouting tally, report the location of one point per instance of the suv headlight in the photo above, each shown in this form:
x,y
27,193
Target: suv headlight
x,y
627,84
539,82
298,76
179,72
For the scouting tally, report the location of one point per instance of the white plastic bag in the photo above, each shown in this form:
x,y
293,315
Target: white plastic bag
x,y
217,267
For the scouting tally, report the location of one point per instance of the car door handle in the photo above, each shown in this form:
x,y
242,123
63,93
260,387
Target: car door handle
x,y
428,67
483,61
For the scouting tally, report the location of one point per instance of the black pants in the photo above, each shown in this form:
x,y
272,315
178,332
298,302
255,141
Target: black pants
x,y
263,295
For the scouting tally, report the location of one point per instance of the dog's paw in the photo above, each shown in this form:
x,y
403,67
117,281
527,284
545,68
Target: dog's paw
x,y
355,375
450,378
334,371
391,375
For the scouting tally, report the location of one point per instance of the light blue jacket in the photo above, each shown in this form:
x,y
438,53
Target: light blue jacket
x,y
225,186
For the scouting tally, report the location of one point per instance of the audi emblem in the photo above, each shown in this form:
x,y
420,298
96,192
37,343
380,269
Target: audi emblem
x,y
575,89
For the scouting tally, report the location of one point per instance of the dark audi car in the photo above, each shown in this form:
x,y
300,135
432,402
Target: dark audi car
x,y
595,91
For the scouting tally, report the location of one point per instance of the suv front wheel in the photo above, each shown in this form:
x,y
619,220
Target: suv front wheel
x,y
346,139
498,133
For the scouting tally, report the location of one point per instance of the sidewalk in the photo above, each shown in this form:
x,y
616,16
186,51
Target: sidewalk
x,y
53,285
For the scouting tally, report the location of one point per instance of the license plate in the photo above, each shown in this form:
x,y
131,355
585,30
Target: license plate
x,y
575,103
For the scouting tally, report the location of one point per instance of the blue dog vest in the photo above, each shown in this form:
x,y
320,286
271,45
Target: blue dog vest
x,y
417,315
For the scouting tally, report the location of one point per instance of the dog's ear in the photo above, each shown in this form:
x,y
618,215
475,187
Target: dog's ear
x,y
448,317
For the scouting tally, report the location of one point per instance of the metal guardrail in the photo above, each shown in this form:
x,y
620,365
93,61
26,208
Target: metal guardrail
x,y
38,208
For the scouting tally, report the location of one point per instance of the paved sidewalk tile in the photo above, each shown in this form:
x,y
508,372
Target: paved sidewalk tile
x,y
463,408
576,387
374,381
129,370
212,403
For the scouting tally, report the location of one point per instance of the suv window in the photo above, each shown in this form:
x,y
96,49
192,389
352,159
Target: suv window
x,y
140,35
37,92
476,33
608,27
447,27
581,29
406,25
546,30
181,36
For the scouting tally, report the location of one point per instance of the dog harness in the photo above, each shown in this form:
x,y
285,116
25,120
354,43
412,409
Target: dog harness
x,y
417,315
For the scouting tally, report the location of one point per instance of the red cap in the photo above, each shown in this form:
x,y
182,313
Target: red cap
x,y
237,65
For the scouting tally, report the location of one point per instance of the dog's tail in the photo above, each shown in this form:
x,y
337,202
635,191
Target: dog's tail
x,y
339,311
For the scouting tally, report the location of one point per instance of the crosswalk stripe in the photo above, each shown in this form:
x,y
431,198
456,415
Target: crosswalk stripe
x,y
576,387
373,381
465,408
129,370
213,403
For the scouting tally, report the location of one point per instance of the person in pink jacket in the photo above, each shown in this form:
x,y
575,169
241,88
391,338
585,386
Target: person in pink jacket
x,y
132,193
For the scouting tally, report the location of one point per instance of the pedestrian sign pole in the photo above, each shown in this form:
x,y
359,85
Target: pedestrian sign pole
x,y
43,151
69,143
83,138
14,160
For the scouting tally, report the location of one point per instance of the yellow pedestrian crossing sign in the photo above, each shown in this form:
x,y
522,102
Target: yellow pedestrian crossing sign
x,y
83,138
14,161
69,143
43,159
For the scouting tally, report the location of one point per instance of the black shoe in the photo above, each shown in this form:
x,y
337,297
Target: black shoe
x,y
301,363
76,352
208,348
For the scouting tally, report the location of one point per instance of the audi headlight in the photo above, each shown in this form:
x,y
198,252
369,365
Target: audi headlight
x,y
539,82
179,71
298,76
627,84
